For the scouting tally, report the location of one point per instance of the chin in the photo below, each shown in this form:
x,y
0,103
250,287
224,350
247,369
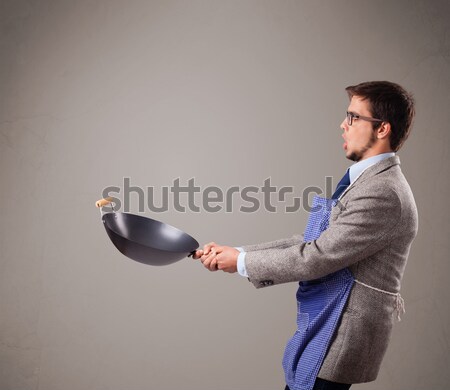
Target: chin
x,y
352,156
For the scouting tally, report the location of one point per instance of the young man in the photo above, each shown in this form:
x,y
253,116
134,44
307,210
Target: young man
x,y
350,261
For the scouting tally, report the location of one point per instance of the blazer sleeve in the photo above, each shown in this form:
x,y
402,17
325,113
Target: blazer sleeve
x,y
362,227
281,243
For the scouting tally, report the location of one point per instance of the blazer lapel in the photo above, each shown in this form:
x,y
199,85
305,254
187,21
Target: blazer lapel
x,y
374,170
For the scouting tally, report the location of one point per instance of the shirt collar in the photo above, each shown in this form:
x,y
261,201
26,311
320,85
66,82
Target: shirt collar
x,y
357,168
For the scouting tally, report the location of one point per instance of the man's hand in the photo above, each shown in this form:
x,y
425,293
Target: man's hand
x,y
206,249
207,256
216,257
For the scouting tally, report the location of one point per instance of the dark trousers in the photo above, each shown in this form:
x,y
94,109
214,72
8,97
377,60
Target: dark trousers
x,y
322,384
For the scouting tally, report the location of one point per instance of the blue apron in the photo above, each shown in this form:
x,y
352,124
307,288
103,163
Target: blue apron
x,y
320,304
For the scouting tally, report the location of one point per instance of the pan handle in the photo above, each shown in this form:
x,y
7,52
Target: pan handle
x,y
104,202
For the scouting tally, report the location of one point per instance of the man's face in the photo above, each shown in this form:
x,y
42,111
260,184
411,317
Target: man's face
x,y
360,136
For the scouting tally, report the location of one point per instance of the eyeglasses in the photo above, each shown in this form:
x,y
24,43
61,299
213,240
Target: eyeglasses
x,y
352,115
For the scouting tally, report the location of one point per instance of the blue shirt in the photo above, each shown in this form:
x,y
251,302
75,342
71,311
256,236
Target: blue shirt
x,y
355,170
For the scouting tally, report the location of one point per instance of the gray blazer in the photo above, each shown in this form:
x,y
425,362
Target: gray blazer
x,y
371,231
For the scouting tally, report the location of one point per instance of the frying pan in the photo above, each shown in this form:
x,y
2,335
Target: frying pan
x,y
144,239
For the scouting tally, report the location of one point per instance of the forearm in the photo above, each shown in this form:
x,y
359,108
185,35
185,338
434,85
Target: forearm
x,y
281,243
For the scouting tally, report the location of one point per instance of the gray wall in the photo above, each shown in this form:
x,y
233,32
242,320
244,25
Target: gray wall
x,y
227,92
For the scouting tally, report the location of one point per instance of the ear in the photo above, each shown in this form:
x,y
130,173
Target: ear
x,y
384,130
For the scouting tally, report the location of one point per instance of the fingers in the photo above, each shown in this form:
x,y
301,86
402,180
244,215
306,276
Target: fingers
x,y
208,247
210,257
210,260
210,263
198,253
213,265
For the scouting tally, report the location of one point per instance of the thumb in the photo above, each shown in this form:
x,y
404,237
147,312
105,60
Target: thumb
x,y
198,254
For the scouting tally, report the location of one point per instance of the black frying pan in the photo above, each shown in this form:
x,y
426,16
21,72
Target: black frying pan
x,y
144,239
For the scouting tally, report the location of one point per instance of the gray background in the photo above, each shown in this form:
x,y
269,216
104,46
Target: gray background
x,y
228,92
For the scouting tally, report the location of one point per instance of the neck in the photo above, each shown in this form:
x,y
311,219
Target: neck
x,y
376,151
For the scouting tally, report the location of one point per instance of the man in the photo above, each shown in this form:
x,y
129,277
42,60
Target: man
x,y
351,259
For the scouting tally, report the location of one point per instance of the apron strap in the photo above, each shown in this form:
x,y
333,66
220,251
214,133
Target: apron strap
x,y
399,301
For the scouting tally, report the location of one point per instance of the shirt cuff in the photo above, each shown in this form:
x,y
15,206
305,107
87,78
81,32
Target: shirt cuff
x,y
241,264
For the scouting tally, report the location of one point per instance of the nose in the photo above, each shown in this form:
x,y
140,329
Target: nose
x,y
344,124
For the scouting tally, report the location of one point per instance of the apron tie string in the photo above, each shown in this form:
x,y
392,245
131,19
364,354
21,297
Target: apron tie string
x,y
399,301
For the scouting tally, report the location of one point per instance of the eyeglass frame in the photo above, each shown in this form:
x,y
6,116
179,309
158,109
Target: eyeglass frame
x,y
351,115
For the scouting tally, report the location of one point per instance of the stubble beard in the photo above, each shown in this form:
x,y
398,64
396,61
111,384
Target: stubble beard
x,y
359,154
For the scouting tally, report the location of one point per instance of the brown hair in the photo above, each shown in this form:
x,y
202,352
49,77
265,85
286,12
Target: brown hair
x,y
391,103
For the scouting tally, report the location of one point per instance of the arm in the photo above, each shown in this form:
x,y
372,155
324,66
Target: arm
x,y
362,228
281,243
208,253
